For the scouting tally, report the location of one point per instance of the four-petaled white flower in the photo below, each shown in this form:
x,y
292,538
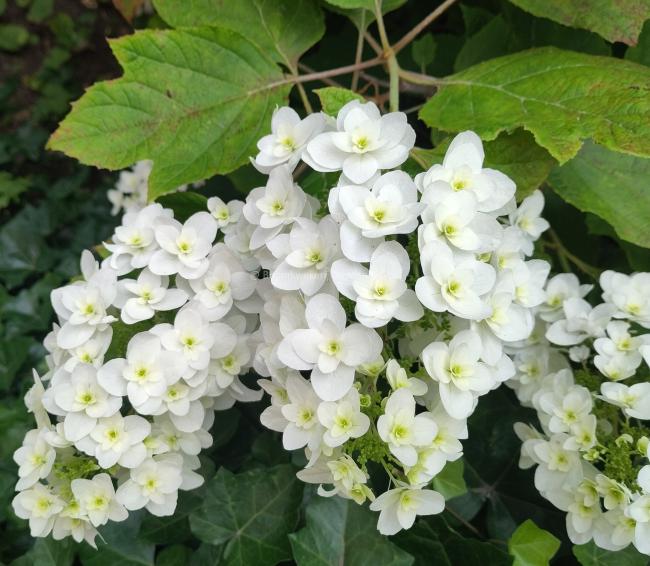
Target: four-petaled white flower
x,y
343,419
96,499
398,507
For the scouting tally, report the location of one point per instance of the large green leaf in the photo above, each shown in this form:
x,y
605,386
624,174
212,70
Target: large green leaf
x,y
283,29
562,97
517,155
194,100
615,20
339,531
252,512
48,552
611,185
532,546
450,482
591,555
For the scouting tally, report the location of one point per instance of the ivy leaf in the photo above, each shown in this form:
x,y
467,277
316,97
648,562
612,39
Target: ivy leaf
x,y
120,545
562,97
611,185
591,555
177,104
339,531
11,188
615,20
283,29
173,529
333,98
48,552
516,154
532,546
252,513
450,481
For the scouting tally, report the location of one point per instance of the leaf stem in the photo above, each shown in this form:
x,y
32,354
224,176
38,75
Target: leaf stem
x,y
321,75
411,35
419,78
301,91
359,52
372,42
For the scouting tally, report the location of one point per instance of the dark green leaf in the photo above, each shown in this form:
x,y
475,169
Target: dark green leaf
x,y
333,98
173,529
11,188
339,531
40,10
532,546
591,555
12,37
423,51
175,555
283,29
48,552
121,547
252,513
184,204
640,53
450,481
562,97
610,185
615,20
177,104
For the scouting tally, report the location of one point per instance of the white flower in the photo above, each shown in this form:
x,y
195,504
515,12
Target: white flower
x,y
343,419
144,375
634,400
288,138
402,429
82,400
305,255
184,247
462,169
34,458
581,322
380,291
91,352
454,283
527,216
389,207
140,299
456,367
96,499
154,485
225,282
558,289
40,505
226,214
454,220
364,142
117,440
398,378
565,408
274,206
398,507
229,355
82,308
630,294
190,336
619,342
133,242
330,349
301,412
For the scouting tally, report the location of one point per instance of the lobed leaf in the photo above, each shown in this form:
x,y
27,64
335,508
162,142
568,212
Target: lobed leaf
x,y
562,97
532,546
339,531
194,100
283,29
251,513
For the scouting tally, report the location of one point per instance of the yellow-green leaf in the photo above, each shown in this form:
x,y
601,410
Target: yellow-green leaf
x,y
532,546
194,100
333,98
562,97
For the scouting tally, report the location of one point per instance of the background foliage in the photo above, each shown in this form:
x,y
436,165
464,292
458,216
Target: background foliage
x,y
560,97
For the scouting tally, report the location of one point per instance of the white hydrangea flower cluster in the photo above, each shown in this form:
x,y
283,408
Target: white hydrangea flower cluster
x,y
120,426
386,316
592,455
381,322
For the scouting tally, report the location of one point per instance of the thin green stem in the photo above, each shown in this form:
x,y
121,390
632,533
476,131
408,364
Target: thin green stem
x,y
419,78
389,55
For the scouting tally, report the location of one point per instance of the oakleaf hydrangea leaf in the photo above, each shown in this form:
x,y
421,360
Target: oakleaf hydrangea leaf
x,y
195,101
562,97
